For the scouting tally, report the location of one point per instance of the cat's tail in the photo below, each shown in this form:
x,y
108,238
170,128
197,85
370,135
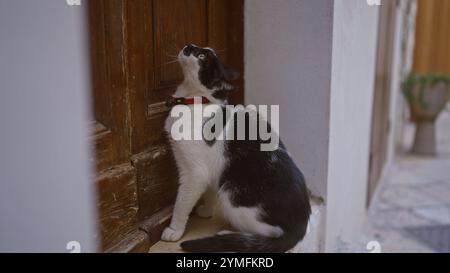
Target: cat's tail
x,y
239,242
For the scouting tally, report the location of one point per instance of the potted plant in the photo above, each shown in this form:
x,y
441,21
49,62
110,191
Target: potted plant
x,y
427,96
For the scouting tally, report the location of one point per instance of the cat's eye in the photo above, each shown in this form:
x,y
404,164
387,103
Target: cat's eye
x,y
201,56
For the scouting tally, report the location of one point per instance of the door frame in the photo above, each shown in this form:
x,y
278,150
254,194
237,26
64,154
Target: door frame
x,y
381,124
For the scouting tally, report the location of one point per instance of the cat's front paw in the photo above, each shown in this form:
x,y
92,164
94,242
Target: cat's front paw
x,y
204,211
171,235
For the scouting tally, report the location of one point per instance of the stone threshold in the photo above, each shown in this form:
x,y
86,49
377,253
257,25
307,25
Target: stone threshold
x,y
200,227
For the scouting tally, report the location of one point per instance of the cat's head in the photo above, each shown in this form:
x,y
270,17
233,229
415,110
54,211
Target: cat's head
x,y
202,67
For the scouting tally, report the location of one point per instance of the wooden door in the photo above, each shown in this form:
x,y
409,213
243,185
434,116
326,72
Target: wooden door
x,y
432,42
382,94
133,43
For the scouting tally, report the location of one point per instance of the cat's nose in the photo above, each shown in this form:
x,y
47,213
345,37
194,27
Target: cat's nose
x,y
188,49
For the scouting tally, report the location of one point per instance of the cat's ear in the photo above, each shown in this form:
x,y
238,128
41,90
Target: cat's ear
x,y
226,73
230,74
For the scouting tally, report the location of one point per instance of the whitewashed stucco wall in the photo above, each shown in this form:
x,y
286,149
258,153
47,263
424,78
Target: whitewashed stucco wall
x,y
402,64
288,63
46,195
316,59
355,32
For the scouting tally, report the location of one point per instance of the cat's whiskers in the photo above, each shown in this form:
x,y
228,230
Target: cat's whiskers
x,y
172,56
170,62
174,47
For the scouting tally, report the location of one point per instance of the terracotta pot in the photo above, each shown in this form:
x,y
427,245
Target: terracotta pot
x,y
426,103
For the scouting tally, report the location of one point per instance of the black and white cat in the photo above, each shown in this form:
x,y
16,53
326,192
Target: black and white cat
x,y
262,194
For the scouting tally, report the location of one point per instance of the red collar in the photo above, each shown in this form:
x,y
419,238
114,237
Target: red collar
x,y
172,101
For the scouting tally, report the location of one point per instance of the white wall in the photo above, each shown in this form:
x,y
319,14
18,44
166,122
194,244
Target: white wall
x,y
396,100
316,59
355,30
288,63
46,194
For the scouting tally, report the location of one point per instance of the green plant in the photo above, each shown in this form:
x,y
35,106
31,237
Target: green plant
x,y
423,81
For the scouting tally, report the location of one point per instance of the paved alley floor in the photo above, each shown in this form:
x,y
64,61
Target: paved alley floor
x,y
411,210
